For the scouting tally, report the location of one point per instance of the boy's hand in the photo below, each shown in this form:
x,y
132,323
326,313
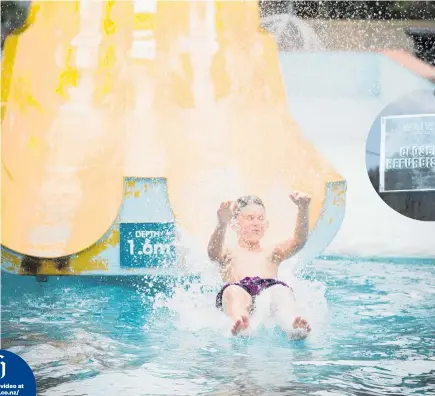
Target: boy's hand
x,y
225,212
300,199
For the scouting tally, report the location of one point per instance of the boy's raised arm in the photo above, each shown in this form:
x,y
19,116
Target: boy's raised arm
x,y
288,248
216,244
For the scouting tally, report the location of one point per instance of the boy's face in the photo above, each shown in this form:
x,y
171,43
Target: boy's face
x,y
251,223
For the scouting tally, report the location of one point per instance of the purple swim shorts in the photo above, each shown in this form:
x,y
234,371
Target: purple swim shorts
x,y
254,286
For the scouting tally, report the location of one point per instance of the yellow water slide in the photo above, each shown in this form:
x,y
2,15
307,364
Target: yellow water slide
x,y
191,92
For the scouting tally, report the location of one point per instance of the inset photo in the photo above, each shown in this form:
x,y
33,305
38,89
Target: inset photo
x,y
400,155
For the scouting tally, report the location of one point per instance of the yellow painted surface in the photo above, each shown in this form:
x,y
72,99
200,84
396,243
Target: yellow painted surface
x,y
63,129
208,111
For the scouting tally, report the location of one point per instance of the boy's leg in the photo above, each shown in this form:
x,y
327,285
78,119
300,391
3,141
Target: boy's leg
x,y
285,311
236,303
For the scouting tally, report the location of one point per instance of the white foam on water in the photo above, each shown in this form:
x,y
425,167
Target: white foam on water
x,y
195,307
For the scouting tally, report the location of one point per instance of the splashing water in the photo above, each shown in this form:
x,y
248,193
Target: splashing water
x,y
292,32
195,305
161,336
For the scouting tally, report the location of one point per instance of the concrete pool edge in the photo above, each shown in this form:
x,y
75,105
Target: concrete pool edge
x,y
380,259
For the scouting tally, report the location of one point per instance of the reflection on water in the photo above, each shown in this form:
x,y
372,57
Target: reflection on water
x,y
375,338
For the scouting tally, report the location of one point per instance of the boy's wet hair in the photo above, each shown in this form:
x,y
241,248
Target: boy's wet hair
x,y
245,201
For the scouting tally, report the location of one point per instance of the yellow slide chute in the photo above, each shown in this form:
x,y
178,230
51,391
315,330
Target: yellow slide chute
x,y
95,91
62,131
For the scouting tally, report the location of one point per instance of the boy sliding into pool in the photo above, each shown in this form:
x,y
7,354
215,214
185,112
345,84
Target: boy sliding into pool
x,y
250,270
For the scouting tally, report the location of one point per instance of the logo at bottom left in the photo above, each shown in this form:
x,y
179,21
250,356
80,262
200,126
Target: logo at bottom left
x,y
16,376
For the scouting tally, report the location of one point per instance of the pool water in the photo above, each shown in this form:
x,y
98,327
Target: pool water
x,y
372,335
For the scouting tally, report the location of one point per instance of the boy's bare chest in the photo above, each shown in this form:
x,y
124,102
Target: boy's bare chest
x,y
243,256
